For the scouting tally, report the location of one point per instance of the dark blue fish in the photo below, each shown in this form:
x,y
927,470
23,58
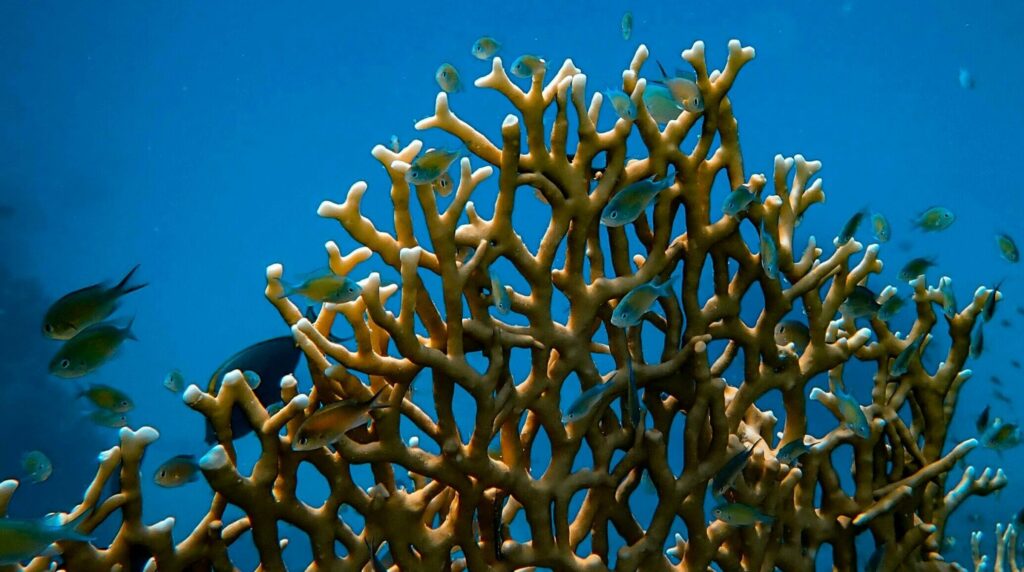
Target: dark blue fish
x,y
792,451
725,477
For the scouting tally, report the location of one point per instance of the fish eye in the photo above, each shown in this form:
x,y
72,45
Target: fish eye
x,y
48,328
124,404
494,242
163,473
65,363
303,440
614,214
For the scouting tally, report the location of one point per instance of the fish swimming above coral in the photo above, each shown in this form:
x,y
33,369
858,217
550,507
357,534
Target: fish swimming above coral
x,y
82,308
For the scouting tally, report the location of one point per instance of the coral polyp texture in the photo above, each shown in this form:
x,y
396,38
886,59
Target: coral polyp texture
x,y
442,498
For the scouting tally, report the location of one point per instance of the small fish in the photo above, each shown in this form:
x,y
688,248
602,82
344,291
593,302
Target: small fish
x,y
934,219
636,303
174,381
627,25
916,267
23,540
769,253
443,185
91,348
684,89
37,466
1005,323
988,311
880,227
660,104
429,166
585,403
850,228
499,294
852,414
948,297
1001,436
861,303
273,408
177,471
528,66
82,308
995,380
325,286
792,451
394,144
1007,248
891,307
107,418
977,339
485,48
632,396
901,364
792,332
1001,396
738,201
252,379
448,78
726,476
629,203
739,514
329,424
1015,363
109,398
966,79
621,103
981,423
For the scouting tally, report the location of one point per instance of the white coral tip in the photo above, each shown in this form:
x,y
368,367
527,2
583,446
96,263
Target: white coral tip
x,y
192,395
215,458
289,381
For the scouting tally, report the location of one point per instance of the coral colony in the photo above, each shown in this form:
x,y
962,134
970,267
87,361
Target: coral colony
x,y
639,345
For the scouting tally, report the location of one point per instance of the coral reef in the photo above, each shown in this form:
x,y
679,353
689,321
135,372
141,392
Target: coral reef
x,y
465,498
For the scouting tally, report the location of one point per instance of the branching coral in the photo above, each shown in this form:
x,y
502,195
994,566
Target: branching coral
x,y
466,498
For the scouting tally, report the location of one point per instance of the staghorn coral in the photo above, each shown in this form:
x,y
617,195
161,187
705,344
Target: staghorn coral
x,y
462,492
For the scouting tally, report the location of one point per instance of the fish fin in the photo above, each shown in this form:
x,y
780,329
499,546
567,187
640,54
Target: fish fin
x,y
372,403
124,288
69,530
288,290
128,333
664,73
336,340
689,75
665,288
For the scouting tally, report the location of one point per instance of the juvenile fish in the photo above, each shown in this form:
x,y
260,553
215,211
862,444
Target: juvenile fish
x,y
891,307
934,219
628,204
738,201
174,381
880,227
528,66
726,476
638,301
107,418
981,423
499,295
739,514
22,540
621,103
177,471
792,451
989,309
916,267
485,48
106,397
325,286
852,415
861,303
37,466
684,89
948,297
82,308
1001,436
330,423
91,348
850,228
1001,396
429,166
660,104
769,254
585,403
901,364
627,25
792,332
1007,248
448,78
977,339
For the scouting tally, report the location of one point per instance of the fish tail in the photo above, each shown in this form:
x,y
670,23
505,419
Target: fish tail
x,y
665,287
664,73
766,518
69,530
289,290
373,401
123,287
128,333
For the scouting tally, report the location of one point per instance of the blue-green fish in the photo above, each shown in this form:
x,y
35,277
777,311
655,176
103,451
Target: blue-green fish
x,y
792,332
880,227
621,103
948,297
448,78
325,286
792,451
890,307
106,397
902,361
916,267
82,308
174,381
977,339
660,104
177,471
91,348
585,403
499,295
732,468
989,309
684,89
627,25
485,48
861,303
627,204
528,66
429,166
22,540
638,301
852,414
769,253
107,418
1007,248
632,396
37,466
738,201
739,514
934,219
849,229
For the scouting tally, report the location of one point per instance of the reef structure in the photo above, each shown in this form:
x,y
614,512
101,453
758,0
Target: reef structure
x,y
459,511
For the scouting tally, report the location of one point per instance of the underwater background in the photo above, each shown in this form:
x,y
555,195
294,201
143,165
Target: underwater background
x,y
197,140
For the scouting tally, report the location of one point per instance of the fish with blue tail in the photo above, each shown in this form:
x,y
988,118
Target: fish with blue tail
x,y
430,166
585,403
852,414
629,203
726,476
638,301
738,201
23,540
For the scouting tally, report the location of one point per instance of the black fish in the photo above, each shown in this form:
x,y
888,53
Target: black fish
x,y
982,422
271,360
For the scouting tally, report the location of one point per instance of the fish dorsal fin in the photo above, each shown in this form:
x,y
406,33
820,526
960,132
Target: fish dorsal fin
x,y
687,75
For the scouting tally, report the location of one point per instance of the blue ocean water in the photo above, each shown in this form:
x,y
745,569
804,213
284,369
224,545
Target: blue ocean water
x,y
197,139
